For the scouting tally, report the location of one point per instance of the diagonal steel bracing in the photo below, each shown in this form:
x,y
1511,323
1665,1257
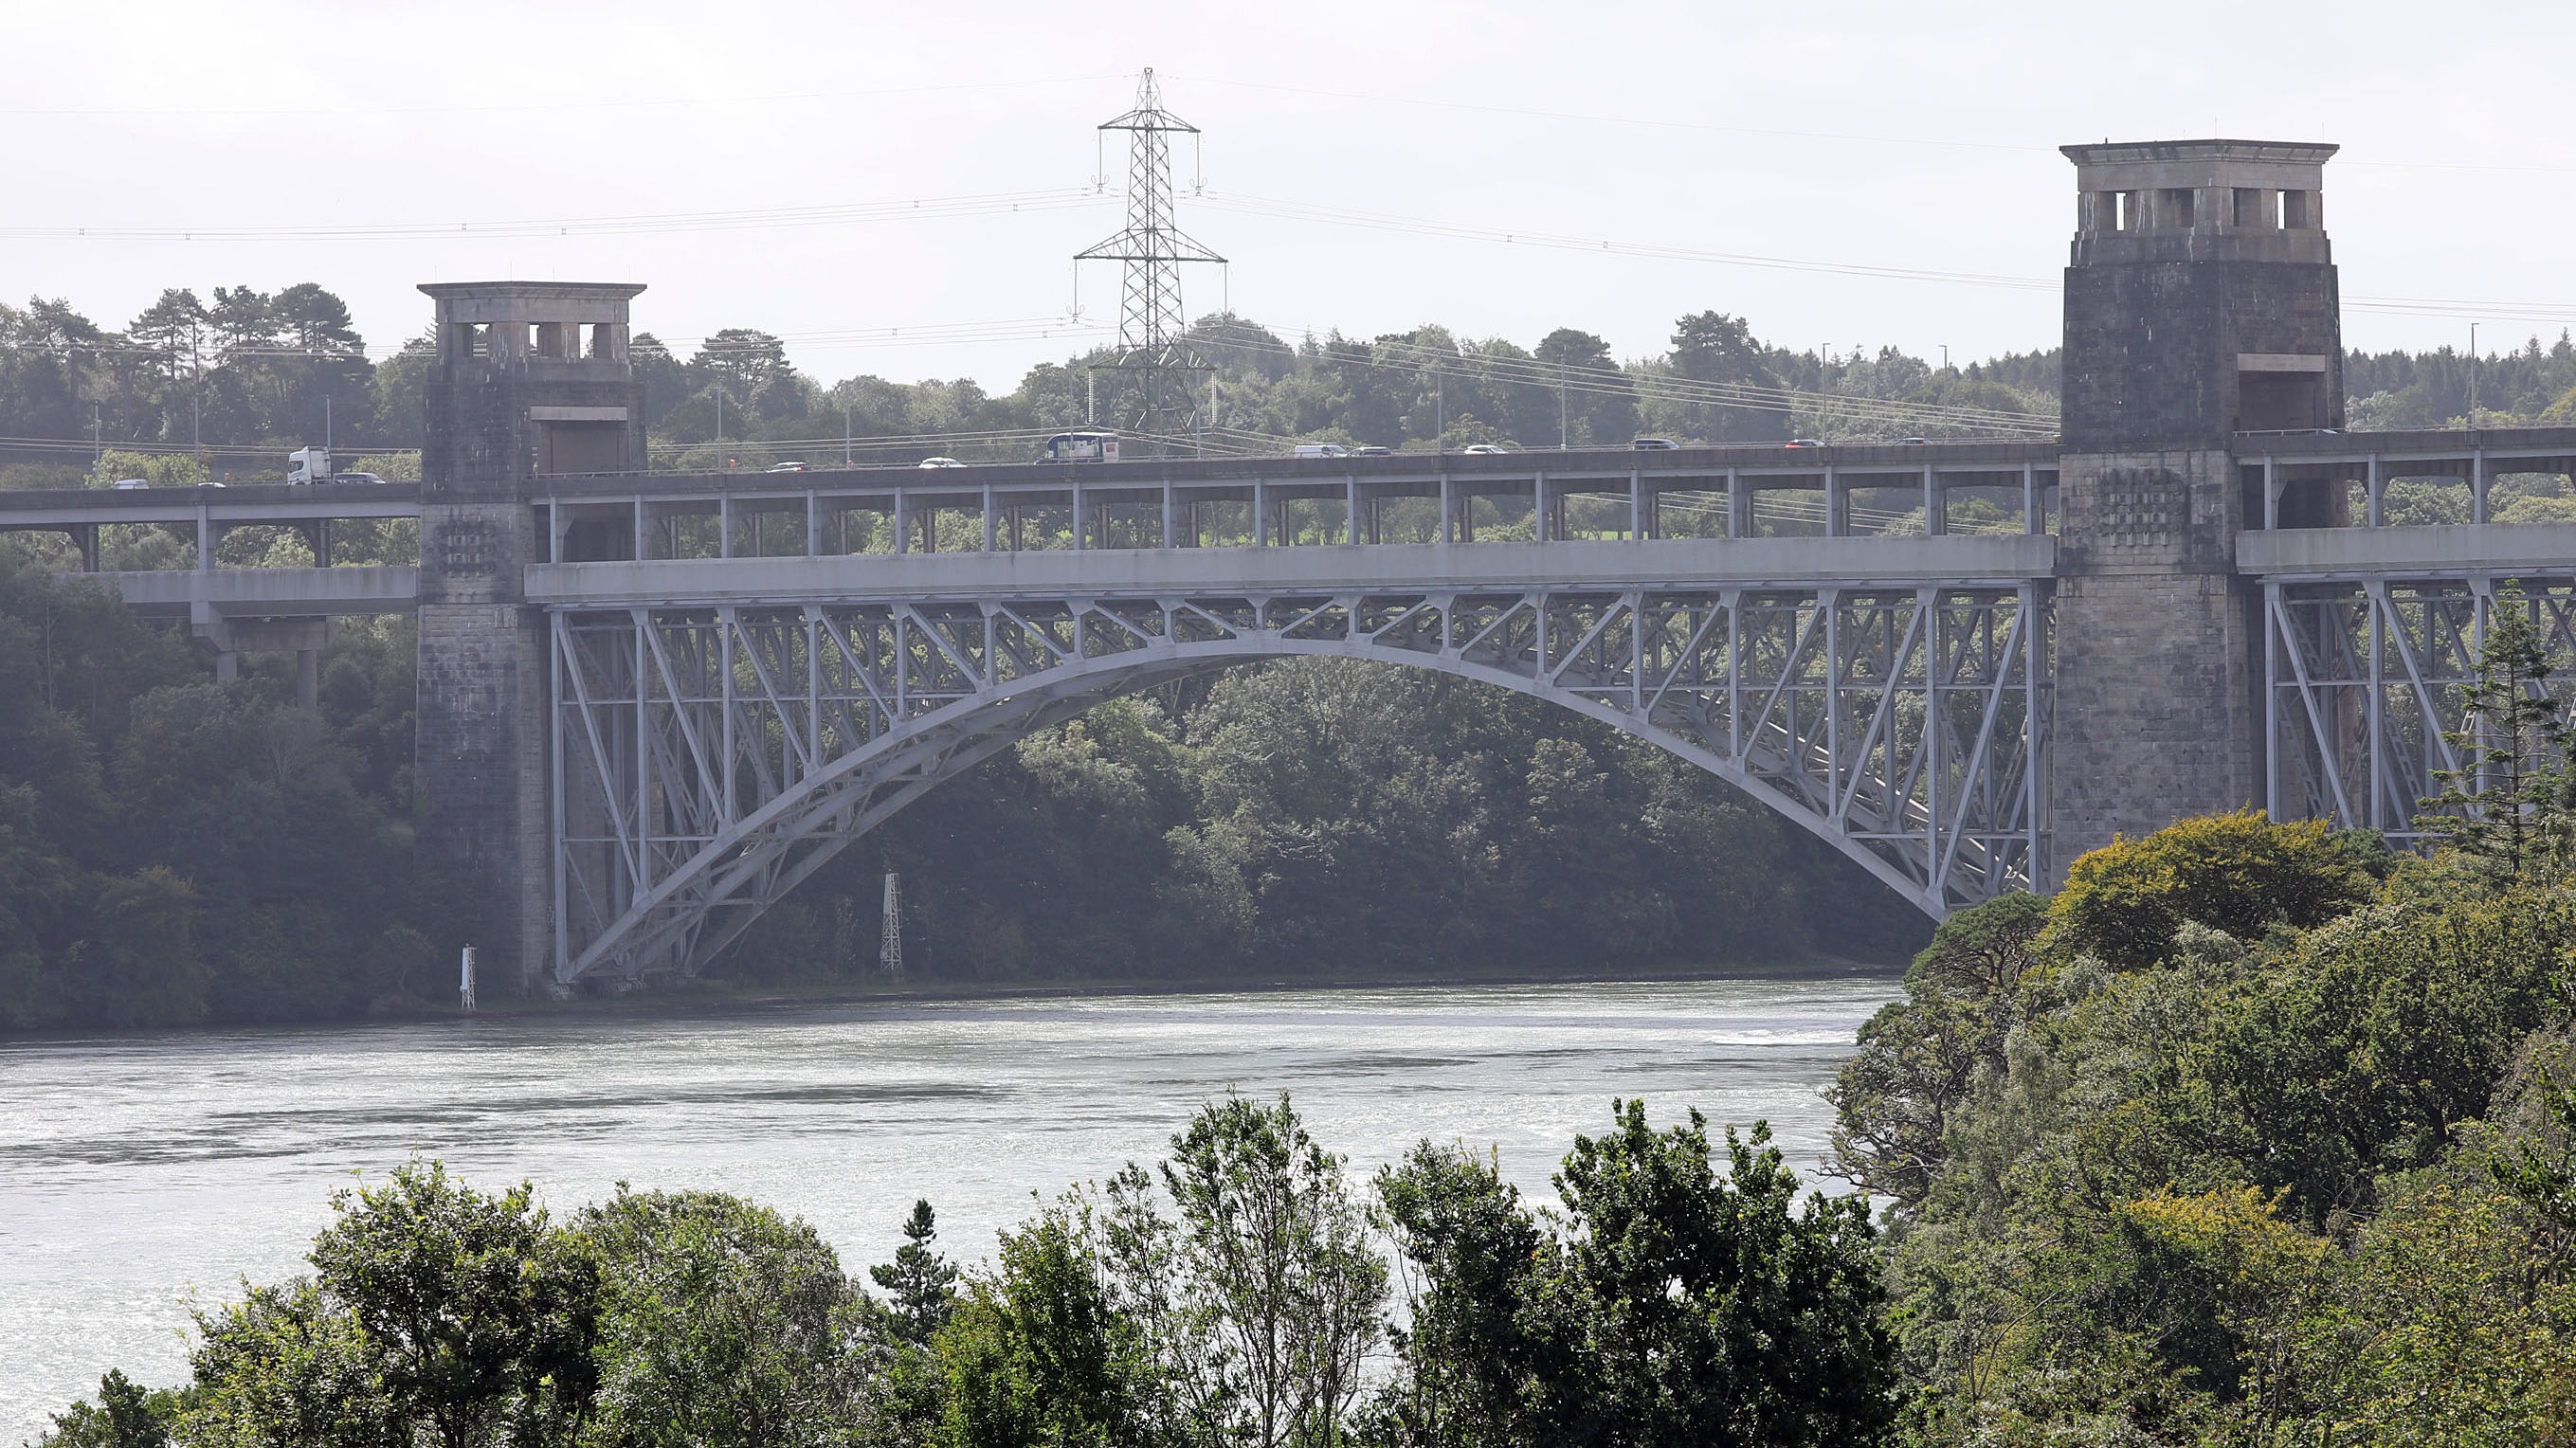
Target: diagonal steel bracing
x,y
712,757
2367,684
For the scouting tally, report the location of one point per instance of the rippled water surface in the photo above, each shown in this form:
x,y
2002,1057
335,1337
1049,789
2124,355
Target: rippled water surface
x,y
140,1173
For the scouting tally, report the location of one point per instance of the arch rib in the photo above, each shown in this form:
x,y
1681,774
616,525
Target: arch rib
x,y
1882,727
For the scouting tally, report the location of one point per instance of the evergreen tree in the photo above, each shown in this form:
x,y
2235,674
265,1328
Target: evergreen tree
x,y
923,1282
2507,804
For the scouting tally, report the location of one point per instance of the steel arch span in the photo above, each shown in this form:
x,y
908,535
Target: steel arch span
x,y
707,759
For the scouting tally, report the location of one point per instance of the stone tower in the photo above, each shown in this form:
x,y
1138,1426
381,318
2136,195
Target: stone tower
x,y
2200,305
530,378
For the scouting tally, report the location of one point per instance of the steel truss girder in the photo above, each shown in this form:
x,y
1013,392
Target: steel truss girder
x,y
707,759
2366,683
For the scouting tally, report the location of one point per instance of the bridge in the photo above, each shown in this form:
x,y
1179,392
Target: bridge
x,y
652,703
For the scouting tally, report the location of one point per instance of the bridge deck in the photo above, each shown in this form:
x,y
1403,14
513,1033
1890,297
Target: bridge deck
x,y
1995,560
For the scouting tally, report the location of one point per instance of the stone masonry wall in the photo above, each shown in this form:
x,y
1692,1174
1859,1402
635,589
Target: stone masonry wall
x,y
2155,714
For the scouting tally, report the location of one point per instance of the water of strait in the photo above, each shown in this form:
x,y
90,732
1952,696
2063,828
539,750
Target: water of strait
x,y
139,1174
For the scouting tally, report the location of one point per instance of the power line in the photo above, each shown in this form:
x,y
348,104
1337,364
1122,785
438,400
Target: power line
x,y
755,218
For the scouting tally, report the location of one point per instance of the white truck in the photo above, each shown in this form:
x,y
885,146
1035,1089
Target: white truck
x,y
309,465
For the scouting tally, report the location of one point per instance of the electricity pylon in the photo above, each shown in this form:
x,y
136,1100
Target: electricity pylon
x,y
1150,318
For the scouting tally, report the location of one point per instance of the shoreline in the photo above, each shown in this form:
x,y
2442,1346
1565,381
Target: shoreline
x,y
722,998
705,999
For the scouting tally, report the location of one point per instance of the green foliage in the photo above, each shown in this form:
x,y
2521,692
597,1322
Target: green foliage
x,y
1320,816
1232,1297
719,1323
479,1320
1269,1289
1920,1059
1670,1304
924,1283
2237,872
125,1416
1041,1352
2510,805
2256,1141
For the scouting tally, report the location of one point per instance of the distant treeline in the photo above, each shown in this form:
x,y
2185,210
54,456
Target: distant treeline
x,y
242,369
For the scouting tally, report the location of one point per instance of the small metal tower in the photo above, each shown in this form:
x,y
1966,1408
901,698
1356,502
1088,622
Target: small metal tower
x,y
1150,316
890,949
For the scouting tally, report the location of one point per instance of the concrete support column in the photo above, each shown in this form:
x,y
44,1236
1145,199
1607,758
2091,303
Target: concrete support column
x,y
308,680
2032,521
1081,518
902,510
2375,488
988,518
1739,506
227,666
1837,505
1448,512
205,540
2478,486
813,525
1171,523
1539,515
643,536
2271,496
1351,509
1260,515
724,525
1636,507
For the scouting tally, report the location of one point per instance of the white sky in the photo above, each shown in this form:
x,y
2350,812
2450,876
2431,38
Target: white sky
x,y
1883,135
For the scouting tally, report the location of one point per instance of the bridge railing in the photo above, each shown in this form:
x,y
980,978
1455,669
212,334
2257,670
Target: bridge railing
x,y
1529,497
2302,480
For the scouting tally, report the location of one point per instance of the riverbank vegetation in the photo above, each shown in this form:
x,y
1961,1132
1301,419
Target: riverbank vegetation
x,y
2252,1134
1237,1293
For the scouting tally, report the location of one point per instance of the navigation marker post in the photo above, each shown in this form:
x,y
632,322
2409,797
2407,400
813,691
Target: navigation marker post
x,y
890,950
465,982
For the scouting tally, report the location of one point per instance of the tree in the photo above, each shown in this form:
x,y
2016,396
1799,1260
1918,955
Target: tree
x,y
288,1367
1479,1265
720,1324
1600,402
1668,1305
923,1282
479,1317
1265,1286
1715,348
2511,801
2236,872
1921,1058
1041,1352
125,1416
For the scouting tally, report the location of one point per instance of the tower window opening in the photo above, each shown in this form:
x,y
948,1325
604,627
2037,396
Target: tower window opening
x,y
2299,210
2254,209
2129,218
2176,204
605,345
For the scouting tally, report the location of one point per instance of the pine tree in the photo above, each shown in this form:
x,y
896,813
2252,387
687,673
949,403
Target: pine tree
x,y
923,1283
2510,804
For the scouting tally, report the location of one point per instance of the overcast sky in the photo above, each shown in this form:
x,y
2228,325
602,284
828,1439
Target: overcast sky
x,y
1904,137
